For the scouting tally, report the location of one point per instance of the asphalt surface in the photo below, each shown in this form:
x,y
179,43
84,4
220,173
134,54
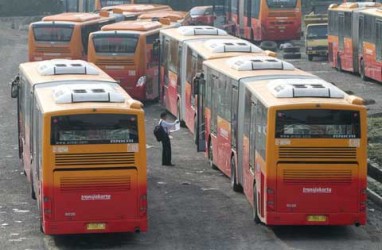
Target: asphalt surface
x,y
191,206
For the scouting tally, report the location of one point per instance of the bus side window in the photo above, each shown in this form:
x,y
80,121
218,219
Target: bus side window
x,y
153,40
165,60
234,115
252,136
378,41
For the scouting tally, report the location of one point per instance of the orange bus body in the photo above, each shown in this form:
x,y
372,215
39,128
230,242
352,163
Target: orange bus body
x,y
129,52
297,152
346,29
133,11
64,35
88,178
263,20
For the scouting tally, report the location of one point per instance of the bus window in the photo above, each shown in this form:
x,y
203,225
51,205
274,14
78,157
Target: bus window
x,y
111,43
53,32
378,40
255,9
252,144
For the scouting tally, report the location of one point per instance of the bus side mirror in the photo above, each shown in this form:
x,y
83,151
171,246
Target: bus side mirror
x,y
15,87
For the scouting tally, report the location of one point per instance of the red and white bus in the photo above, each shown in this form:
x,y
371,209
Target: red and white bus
x,y
263,20
173,61
351,29
129,52
82,145
294,143
195,52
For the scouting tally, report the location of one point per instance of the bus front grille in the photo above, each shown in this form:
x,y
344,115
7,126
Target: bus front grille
x,y
317,176
316,153
53,49
95,183
94,159
115,62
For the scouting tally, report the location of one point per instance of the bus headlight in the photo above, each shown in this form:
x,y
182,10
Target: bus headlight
x,y
141,81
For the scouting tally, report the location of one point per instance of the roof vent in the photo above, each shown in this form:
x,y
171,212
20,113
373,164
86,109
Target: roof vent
x,y
201,30
234,45
66,67
291,88
86,93
259,63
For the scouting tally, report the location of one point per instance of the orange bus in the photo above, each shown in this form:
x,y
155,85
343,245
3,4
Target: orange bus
x,y
171,15
173,61
129,52
65,35
294,143
132,11
346,30
82,144
194,53
262,20
90,5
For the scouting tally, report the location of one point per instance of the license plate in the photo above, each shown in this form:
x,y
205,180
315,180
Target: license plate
x,y
96,226
317,218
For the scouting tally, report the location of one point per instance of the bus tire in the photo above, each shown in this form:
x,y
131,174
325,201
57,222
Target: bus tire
x,y
268,45
255,211
362,70
310,57
235,186
211,156
33,193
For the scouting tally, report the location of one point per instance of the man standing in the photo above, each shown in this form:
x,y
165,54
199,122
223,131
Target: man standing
x,y
166,143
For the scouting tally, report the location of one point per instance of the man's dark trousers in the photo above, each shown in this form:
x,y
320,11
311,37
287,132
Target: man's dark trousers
x,y
166,151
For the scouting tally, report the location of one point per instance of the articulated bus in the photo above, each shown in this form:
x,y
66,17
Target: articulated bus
x,y
347,28
262,20
129,52
194,53
295,144
65,35
82,144
173,61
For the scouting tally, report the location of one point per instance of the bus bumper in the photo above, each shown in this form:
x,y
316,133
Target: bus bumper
x,y
81,227
334,219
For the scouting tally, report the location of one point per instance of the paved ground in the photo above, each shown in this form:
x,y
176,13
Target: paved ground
x,y
190,205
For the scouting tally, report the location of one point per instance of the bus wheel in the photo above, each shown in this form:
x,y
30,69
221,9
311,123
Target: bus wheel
x,y
338,64
362,71
255,211
211,156
235,186
33,193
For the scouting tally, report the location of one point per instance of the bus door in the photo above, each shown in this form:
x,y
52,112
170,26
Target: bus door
x,y
200,132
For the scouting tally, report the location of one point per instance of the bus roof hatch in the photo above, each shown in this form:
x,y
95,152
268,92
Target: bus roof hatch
x,y
259,63
86,93
291,88
66,67
201,30
234,45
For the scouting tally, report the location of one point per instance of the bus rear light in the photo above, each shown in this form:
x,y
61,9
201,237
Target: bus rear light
x,y
362,207
270,205
47,207
141,81
143,205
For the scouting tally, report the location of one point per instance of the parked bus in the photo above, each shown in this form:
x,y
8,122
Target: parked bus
x,y
129,52
263,20
194,53
90,5
173,61
171,15
295,144
346,28
82,144
132,11
65,35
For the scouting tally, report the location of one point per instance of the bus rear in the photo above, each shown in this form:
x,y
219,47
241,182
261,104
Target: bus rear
x,y
129,52
93,173
315,165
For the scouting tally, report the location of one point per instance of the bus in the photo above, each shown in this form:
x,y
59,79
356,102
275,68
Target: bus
x,y
65,35
133,11
129,52
173,61
294,143
345,31
82,144
194,53
90,5
263,20
171,15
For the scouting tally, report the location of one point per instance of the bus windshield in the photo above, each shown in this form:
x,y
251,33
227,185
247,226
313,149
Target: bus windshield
x,y
317,32
94,129
321,123
105,3
115,43
277,4
53,32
